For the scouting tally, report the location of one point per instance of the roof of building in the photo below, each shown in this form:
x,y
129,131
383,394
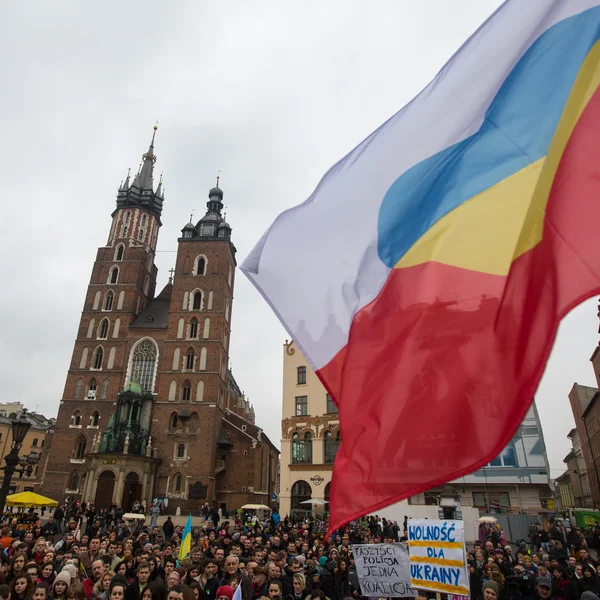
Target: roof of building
x,y
252,430
590,404
154,316
231,380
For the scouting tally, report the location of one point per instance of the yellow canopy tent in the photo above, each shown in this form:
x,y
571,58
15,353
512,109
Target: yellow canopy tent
x,y
29,500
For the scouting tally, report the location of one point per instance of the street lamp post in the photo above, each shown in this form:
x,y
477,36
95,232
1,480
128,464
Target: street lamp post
x,y
20,427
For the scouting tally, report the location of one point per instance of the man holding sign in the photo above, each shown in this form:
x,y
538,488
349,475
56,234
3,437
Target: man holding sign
x,y
437,556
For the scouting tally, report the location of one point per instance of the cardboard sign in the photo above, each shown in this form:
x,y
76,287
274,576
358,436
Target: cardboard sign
x,y
437,556
383,570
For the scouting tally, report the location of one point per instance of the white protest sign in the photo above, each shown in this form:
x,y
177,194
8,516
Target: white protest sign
x,y
437,556
383,569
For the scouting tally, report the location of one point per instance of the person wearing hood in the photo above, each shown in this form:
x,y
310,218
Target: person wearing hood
x,y
326,577
588,583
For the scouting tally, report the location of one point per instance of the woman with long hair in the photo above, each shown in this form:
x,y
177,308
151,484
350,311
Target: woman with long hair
x,y
21,588
342,583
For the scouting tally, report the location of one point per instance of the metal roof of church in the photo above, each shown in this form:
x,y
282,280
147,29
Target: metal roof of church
x,y
154,316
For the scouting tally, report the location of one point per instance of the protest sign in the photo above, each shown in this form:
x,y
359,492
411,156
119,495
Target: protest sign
x,y
437,556
383,570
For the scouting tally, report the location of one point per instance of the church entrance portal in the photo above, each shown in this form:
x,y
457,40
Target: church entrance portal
x,y
104,492
132,491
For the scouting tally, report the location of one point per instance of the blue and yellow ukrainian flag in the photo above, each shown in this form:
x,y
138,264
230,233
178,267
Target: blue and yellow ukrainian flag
x,y
186,540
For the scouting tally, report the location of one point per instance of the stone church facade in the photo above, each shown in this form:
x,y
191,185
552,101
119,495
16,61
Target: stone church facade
x,y
150,407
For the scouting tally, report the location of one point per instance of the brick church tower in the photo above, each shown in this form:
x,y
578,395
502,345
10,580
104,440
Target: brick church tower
x,y
150,408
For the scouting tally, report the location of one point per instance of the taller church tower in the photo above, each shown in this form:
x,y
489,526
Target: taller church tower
x,y
122,283
150,408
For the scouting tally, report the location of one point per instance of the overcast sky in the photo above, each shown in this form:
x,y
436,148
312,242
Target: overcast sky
x,y
271,93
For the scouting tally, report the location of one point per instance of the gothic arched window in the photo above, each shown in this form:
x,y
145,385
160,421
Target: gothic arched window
x,y
200,265
197,300
98,356
108,300
78,388
189,360
177,484
181,451
194,328
80,448
103,329
94,419
173,421
143,363
186,391
119,252
114,275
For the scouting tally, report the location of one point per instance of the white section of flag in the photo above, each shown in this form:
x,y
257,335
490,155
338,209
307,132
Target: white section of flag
x,y
237,595
317,265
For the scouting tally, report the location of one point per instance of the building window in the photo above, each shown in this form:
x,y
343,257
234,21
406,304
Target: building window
x,y
95,418
181,451
507,458
301,375
302,448
74,484
177,484
35,442
301,491
174,420
194,423
108,300
186,392
98,358
194,328
331,444
104,390
103,329
301,406
76,418
119,252
114,275
201,265
189,360
197,300
91,395
143,364
78,389
331,406
80,448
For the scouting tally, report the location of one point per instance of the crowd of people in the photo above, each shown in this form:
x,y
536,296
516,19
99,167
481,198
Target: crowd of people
x,y
81,554
555,563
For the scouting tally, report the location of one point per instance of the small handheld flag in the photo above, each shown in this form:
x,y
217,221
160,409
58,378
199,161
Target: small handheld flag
x,y
186,540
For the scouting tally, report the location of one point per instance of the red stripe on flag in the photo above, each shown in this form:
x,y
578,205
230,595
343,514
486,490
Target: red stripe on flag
x,y
441,368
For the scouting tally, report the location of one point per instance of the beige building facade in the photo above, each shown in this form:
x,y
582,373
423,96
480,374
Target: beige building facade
x,y
310,435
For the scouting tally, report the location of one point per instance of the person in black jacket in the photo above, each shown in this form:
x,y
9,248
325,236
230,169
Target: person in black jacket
x,y
327,580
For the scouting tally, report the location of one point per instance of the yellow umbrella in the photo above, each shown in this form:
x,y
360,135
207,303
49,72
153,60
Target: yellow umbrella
x,y
29,500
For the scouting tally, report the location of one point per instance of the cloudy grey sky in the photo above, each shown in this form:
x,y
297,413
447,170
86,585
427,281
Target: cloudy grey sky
x,y
272,93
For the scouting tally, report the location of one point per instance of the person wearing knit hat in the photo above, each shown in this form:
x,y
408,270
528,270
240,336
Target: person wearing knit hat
x,y
71,569
61,584
589,596
490,590
225,592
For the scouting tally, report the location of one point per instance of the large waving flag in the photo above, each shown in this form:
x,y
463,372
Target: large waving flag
x,y
186,539
432,265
